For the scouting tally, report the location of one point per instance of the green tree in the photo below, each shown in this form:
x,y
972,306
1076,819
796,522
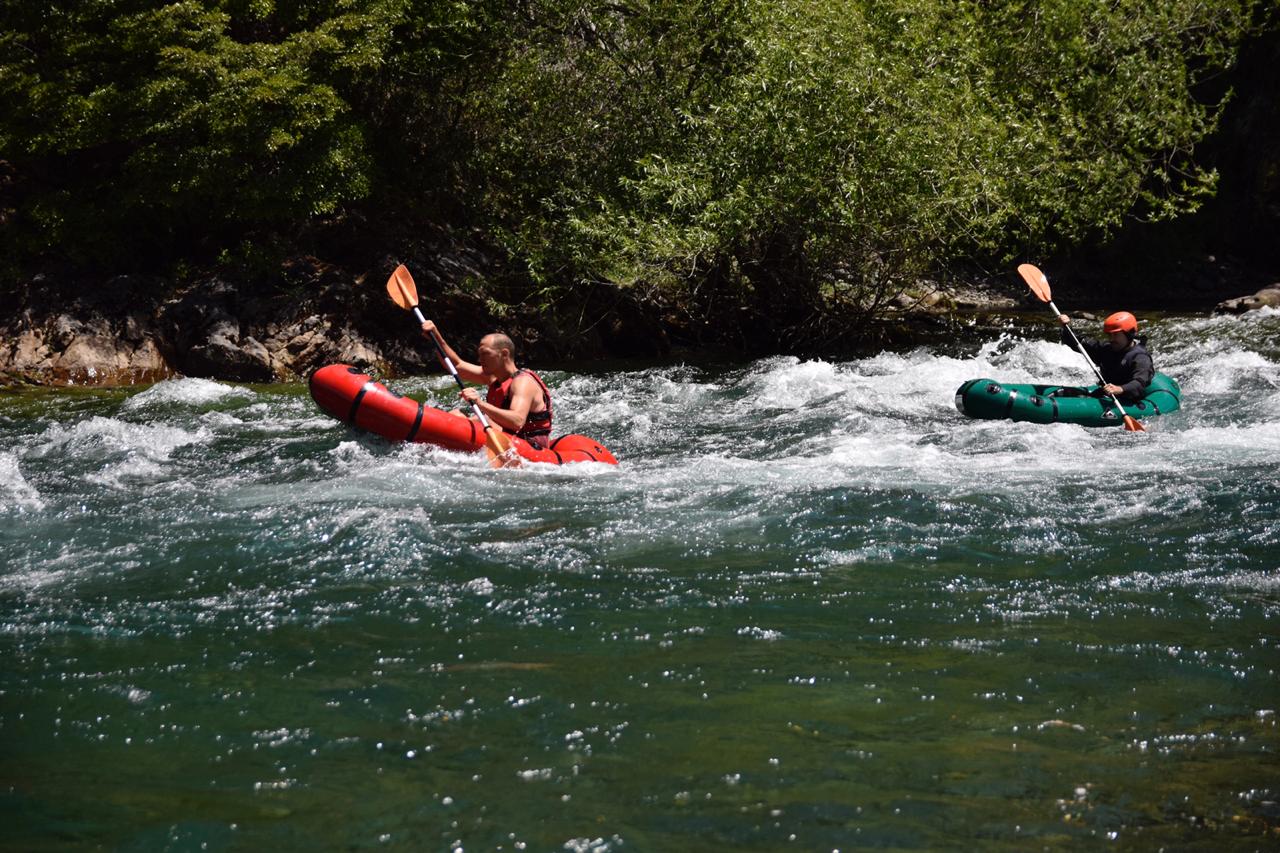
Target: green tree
x,y
820,154
135,126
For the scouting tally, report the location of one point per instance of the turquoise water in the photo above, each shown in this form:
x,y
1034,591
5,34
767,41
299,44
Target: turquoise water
x,y
814,609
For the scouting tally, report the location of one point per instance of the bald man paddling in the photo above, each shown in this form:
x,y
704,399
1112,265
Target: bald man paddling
x,y
518,401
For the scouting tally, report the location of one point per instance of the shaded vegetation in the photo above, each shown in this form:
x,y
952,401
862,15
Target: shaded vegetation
x,y
805,159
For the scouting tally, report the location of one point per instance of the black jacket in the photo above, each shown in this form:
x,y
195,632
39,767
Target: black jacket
x,y
1131,369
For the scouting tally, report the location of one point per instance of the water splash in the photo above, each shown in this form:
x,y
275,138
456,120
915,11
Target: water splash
x,y
15,492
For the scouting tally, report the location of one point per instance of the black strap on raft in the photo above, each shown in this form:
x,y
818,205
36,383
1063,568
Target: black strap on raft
x,y
417,424
355,404
591,455
1069,392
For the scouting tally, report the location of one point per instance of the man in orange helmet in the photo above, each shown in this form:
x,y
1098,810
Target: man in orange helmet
x,y
1124,361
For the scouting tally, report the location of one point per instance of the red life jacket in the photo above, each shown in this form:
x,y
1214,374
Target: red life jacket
x,y
537,425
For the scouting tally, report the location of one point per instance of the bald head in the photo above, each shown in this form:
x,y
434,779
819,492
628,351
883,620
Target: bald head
x,y
499,341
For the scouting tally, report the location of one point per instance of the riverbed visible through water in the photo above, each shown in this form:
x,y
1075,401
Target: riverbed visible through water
x,y
815,608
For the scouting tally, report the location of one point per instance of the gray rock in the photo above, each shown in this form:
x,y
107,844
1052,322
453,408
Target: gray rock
x,y
224,355
74,341
28,351
1267,297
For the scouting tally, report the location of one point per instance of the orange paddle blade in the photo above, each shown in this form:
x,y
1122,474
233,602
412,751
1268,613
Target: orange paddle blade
x,y
502,454
402,290
1036,281
1131,424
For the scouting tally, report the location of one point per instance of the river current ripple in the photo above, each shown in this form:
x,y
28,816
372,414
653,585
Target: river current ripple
x,y
815,608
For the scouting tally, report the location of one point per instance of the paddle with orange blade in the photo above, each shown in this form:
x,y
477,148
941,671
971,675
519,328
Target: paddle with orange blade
x,y
1039,285
403,292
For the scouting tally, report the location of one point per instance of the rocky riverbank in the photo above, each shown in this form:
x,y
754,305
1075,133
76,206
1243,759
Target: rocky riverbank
x,y
133,329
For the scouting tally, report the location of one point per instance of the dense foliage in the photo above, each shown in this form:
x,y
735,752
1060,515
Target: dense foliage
x,y
818,150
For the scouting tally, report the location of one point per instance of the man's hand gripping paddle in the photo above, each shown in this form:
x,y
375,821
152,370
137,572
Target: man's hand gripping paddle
x,y
404,292
1040,287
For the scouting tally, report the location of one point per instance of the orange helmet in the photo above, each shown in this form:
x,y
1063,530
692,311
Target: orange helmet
x,y
1121,321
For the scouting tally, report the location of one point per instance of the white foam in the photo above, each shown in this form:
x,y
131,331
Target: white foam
x,y
191,392
889,421
788,383
480,586
1250,323
122,451
1252,443
15,491
755,632
90,437
351,451
1230,372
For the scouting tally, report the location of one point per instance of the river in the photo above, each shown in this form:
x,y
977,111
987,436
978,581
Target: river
x,y
814,608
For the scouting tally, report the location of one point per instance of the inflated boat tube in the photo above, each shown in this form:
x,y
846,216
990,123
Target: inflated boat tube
x,y
351,396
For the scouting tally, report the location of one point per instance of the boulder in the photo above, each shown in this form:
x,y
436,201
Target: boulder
x,y
1267,297
205,337
224,354
28,352
81,341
